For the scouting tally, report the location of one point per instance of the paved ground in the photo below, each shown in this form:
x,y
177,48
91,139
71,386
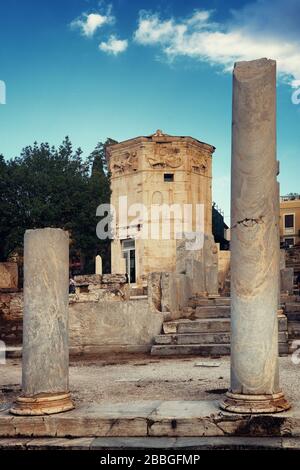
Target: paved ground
x,y
140,443
118,379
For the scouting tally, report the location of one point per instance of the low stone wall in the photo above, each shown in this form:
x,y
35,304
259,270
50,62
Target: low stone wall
x,y
101,318
97,287
107,326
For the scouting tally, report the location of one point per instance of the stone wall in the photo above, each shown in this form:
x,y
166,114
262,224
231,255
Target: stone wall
x,y
97,287
175,292
8,276
112,327
11,308
223,269
101,318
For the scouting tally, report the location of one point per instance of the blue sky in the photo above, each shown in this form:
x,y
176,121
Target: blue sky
x,y
119,69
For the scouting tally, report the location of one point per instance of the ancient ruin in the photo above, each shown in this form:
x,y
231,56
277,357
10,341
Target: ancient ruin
x,y
45,362
254,242
157,170
183,297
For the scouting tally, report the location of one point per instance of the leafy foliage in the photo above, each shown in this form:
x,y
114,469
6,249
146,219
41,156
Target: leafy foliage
x,y
49,187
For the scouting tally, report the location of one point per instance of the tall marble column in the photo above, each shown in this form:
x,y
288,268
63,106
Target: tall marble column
x,y
45,364
254,243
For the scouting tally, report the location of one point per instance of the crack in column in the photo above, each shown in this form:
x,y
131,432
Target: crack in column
x,y
249,222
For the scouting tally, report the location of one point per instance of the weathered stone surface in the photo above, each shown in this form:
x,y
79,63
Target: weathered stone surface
x,y
151,418
195,271
193,338
175,291
179,418
132,443
154,291
113,326
11,315
114,278
282,263
254,232
214,325
213,312
210,255
88,279
204,350
135,443
52,443
223,269
8,276
287,280
96,288
45,331
200,265
188,248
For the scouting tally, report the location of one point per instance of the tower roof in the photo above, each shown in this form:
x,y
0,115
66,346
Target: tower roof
x,y
160,136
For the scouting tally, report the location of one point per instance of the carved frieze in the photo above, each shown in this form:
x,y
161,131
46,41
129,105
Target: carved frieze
x,y
165,156
199,161
127,162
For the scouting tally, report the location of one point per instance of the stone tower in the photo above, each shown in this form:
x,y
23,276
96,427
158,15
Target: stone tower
x,y
156,170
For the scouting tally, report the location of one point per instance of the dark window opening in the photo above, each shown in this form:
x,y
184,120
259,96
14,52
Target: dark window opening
x,y
168,177
289,221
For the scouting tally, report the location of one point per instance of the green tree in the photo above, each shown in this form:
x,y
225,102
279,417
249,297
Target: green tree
x,y
49,187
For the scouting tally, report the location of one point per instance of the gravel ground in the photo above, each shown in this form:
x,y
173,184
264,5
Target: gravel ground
x,y
142,377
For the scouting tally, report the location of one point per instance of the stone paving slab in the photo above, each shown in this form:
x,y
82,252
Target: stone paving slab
x,y
151,418
144,443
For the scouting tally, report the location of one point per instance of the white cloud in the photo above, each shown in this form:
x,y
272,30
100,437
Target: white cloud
x,y
200,38
114,45
89,23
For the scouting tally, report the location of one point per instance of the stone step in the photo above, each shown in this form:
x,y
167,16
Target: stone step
x,y
205,338
213,325
204,350
210,325
205,301
191,349
294,330
293,316
144,418
292,307
149,442
212,312
193,338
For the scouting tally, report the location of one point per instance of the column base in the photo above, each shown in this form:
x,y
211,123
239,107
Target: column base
x,y
42,404
254,404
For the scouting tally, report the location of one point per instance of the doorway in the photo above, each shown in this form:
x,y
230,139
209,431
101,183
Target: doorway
x,y
128,251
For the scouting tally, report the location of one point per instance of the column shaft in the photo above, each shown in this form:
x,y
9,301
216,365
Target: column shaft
x,y
254,241
45,363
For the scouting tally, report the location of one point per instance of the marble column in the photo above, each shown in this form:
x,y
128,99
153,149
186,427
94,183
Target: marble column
x,y
254,384
98,265
45,363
